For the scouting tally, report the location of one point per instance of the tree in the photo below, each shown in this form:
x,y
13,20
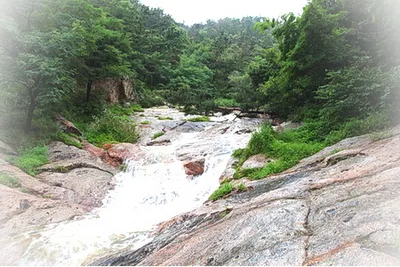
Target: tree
x,y
38,56
191,84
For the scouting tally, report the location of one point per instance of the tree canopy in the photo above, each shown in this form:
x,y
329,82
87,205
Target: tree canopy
x,y
336,61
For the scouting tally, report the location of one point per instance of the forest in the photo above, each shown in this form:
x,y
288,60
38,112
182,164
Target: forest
x,y
334,68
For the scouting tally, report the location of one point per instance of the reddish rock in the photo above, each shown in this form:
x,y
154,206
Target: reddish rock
x,y
195,167
107,146
121,152
94,150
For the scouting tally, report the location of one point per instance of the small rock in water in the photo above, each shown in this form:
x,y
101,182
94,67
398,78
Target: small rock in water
x,y
195,167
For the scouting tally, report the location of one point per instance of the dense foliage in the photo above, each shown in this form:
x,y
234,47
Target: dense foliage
x,y
335,67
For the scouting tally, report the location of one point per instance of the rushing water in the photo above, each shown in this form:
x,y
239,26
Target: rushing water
x,y
151,191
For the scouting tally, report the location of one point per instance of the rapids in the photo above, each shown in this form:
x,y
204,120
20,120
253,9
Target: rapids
x,y
151,190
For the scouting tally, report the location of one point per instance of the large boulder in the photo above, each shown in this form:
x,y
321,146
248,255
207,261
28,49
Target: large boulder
x,y
195,167
59,151
341,211
86,186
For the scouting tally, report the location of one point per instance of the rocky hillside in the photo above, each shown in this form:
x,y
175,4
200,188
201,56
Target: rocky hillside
x,y
73,183
338,207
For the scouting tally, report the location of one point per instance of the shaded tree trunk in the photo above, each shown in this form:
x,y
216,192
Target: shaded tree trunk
x,y
88,90
33,94
28,124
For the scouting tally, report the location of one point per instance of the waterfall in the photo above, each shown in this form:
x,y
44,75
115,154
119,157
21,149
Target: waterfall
x,y
150,191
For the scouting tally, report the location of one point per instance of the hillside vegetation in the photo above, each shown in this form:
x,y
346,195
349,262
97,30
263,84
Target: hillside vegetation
x,y
332,68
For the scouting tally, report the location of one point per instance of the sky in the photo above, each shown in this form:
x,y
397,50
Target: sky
x,y
198,11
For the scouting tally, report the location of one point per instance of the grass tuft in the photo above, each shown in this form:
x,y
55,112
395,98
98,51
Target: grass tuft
x,y
199,119
164,118
9,181
31,158
222,191
156,135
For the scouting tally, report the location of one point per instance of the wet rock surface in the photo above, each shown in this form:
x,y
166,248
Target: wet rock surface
x,y
195,167
338,207
73,183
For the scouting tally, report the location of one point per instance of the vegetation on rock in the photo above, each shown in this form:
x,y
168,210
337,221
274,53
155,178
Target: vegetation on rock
x,y
31,158
199,119
156,135
9,181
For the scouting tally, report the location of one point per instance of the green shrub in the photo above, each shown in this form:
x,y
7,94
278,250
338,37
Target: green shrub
x,y
222,191
156,135
261,141
110,129
287,149
9,181
199,119
355,127
145,122
31,158
136,108
224,103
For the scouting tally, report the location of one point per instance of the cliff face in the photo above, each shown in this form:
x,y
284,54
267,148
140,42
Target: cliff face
x,y
116,90
339,208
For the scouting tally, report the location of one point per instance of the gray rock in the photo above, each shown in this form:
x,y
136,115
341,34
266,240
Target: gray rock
x,y
59,151
229,170
88,186
341,211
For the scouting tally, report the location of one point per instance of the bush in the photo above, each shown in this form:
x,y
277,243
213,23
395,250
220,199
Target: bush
x,y
226,103
261,141
287,149
110,129
31,158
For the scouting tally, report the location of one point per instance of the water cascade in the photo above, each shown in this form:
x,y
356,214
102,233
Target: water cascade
x,y
151,190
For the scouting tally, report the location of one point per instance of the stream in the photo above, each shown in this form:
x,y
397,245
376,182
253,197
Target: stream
x,y
152,190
